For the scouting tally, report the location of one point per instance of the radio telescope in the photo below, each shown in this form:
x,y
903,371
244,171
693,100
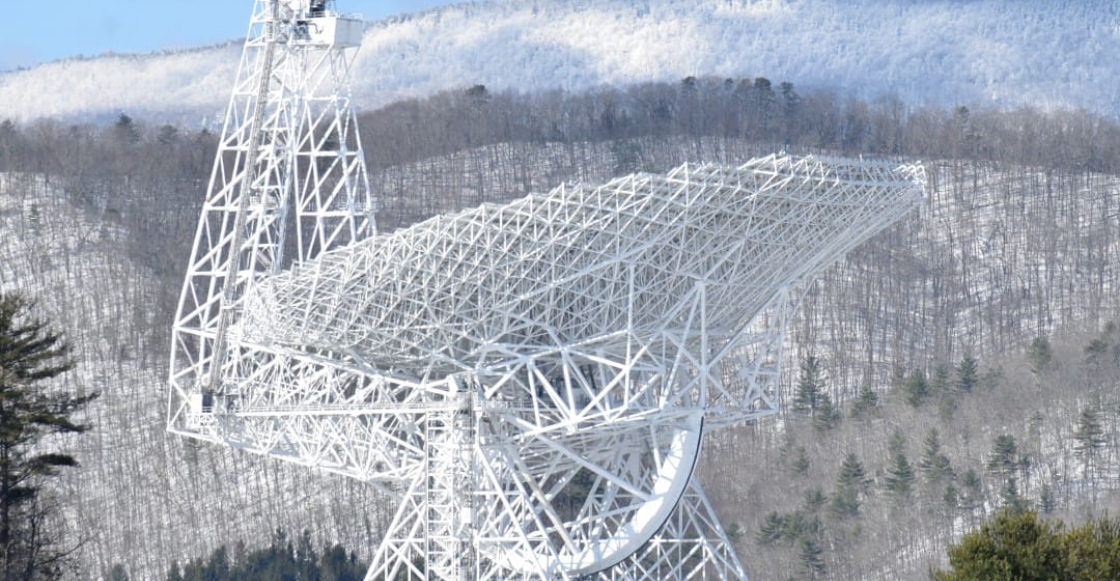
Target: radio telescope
x,y
532,381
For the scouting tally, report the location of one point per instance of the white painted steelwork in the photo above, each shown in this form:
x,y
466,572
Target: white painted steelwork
x,y
532,381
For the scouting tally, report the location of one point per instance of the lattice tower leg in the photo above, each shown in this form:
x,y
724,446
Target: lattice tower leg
x,y
691,547
400,556
430,536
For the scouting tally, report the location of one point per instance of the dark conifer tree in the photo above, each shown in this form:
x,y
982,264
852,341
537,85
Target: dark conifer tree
x,y
867,402
939,381
852,475
896,444
899,480
117,573
951,497
125,131
1004,457
771,529
916,389
1040,355
1046,501
1089,434
827,415
811,555
1089,437
1095,352
968,374
175,573
809,386
1014,545
31,355
1010,496
934,464
814,500
801,462
851,483
973,488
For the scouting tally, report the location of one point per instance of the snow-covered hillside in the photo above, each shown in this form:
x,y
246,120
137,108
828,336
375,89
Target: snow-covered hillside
x,y
997,256
1007,52
147,498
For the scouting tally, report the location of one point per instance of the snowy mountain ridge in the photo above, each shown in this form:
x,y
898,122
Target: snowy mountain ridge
x,y
1003,52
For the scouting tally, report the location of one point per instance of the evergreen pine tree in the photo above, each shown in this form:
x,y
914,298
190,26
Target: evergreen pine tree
x,y
168,135
1040,355
30,355
814,500
899,480
307,560
765,103
915,389
1095,352
771,529
117,573
798,525
1089,437
947,406
1016,544
897,443
811,556
1009,494
735,532
931,449
1046,501
1089,433
1013,545
827,415
851,483
951,498
1003,459
809,386
942,388
218,566
939,382
844,503
790,107
125,131
175,573
338,566
933,464
972,487
852,475
285,559
968,374
801,462
867,402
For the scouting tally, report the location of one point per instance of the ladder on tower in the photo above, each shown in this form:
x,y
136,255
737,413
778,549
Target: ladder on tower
x,y
449,437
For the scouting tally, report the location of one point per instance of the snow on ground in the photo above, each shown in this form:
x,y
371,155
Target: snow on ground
x,y
156,497
151,498
1006,52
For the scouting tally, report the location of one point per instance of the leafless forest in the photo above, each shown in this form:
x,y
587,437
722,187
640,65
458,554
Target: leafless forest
x,y
1018,239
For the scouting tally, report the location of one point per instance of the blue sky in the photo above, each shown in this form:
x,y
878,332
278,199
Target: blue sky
x,y
39,31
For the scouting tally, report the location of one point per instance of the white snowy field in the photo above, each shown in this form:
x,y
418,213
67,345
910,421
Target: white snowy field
x,y
1040,53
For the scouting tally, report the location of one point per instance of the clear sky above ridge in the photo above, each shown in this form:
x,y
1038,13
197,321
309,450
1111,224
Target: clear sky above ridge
x,y
38,31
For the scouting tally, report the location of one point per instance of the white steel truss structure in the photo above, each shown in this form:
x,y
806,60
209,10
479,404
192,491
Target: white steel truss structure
x,y
289,162
532,381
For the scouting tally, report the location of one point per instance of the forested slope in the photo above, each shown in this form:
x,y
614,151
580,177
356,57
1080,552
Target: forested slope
x,y
141,497
1008,245
932,456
